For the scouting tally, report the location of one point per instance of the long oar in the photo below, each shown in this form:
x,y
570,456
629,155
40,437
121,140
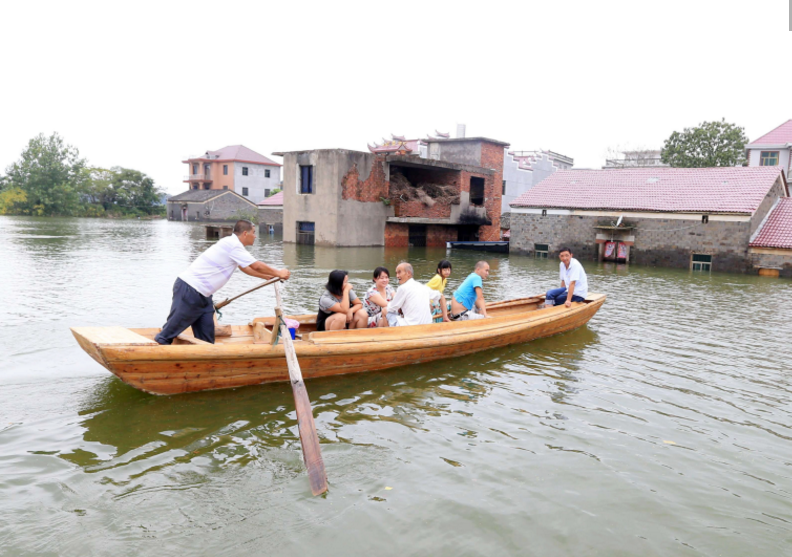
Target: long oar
x,y
227,301
305,421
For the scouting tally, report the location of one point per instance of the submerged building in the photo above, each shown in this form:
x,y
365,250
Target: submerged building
x,y
392,197
725,219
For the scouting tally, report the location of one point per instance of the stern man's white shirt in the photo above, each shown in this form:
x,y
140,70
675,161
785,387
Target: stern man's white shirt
x,y
577,274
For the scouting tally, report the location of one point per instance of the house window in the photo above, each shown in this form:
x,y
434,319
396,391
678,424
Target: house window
x,y
305,232
207,186
195,186
197,215
266,193
244,171
541,251
225,170
504,187
306,179
225,187
701,262
768,158
704,219
245,192
195,169
476,191
267,173
544,212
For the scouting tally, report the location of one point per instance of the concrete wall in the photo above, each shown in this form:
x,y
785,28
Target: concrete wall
x,y
270,215
256,180
464,152
338,221
224,208
754,155
665,242
517,181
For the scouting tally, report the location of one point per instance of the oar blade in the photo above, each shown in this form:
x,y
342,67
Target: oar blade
x,y
309,439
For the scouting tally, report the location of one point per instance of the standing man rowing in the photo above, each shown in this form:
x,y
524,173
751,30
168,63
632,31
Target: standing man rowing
x,y
574,283
192,304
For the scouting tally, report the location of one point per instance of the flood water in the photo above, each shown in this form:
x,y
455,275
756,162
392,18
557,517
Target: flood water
x,y
662,427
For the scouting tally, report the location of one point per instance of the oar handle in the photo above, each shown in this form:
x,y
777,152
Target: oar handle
x,y
227,301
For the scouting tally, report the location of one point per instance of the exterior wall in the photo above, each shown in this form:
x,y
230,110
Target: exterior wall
x,y
224,208
255,181
768,258
273,215
492,157
517,180
665,242
437,236
463,152
397,235
339,219
754,155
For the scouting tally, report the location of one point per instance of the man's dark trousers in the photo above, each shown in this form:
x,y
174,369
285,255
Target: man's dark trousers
x,y
189,308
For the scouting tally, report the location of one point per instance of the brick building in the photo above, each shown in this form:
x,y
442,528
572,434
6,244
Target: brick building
x,y
699,218
337,197
235,168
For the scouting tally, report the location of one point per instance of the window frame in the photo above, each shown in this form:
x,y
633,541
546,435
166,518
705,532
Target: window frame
x,y
300,174
766,156
266,172
306,236
245,171
701,262
541,253
245,192
225,170
479,183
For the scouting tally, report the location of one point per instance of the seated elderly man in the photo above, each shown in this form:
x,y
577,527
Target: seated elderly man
x,y
412,298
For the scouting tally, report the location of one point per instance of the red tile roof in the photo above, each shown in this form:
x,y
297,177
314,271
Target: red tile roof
x,y
782,134
776,232
238,153
276,199
708,190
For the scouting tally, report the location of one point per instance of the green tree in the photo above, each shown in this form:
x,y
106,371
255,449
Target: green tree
x,y
709,144
122,190
50,173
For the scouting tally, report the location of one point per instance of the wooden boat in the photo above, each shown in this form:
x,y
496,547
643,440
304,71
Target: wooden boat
x,y
247,357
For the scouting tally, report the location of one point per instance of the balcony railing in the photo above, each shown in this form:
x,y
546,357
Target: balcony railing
x,y
198,178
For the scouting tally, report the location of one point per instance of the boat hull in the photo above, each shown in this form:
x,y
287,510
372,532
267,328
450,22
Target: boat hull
x,y
187,368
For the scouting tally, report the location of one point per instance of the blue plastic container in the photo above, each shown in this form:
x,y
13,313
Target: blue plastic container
x,y
292,332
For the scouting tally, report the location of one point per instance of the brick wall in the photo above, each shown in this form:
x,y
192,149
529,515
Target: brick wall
x,y
368,190
397,235
437,236
492,157
781,260
417,208
658,242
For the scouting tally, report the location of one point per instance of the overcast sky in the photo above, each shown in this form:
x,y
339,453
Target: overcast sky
x,y
145,84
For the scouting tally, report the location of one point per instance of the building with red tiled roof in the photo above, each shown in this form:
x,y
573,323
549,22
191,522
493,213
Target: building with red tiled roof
x,y
773,148
771,244
701,218
235,168
270,214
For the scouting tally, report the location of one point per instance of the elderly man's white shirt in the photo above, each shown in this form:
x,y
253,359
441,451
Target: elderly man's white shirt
x,y
414,299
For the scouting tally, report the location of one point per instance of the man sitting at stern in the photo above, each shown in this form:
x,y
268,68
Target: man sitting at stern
x,y
412,298
574,284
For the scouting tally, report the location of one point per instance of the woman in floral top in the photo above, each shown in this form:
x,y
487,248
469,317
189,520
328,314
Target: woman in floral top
x,y
377,298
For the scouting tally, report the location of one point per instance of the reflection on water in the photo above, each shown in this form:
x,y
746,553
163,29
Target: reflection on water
x,y
661,428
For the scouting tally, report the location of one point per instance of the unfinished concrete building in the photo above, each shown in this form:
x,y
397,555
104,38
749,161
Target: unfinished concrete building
x,y
338,197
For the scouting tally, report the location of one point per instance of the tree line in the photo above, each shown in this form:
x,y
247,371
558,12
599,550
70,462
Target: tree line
x,y
50,179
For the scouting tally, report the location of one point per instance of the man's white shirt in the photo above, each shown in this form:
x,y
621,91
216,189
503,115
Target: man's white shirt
x,y
212,269
577,274
414,299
